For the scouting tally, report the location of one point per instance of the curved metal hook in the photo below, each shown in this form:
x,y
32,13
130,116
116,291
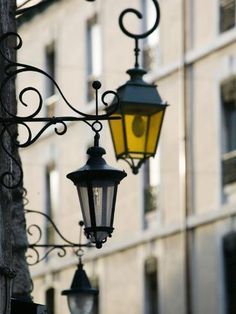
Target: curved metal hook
x,y
37,246
140,16
30,140
52,223
3,38
136,37
30,231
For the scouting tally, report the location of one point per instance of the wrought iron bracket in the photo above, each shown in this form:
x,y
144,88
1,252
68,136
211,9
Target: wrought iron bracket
x,y
38,250
10,119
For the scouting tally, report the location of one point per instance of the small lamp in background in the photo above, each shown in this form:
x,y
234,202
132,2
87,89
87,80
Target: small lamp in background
x,y
81,295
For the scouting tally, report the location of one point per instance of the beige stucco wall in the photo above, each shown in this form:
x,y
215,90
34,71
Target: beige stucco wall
x,y
120,264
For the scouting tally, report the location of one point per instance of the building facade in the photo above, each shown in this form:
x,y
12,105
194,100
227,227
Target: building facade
x,y
174,244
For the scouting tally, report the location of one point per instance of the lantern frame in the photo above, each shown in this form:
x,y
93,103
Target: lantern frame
x,y
96,169
140,99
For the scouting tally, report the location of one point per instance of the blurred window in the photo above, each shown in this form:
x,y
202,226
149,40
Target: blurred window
x,y
227,14
94,54
50,63
228,96
95,284
151,177
229,253
151,286
52,194
151,43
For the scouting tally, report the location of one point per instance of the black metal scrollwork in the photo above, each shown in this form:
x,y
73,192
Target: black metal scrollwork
x,y
143,35
39,251
10,179
15,68
12,69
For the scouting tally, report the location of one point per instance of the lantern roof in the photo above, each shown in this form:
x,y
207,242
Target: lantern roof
x,y
80,283
96,168
138,94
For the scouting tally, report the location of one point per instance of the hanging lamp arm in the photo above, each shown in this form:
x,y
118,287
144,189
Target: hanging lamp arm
x,y
140,16
139,36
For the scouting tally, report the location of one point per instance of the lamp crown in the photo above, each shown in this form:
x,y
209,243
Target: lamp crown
x,y
80,283
96,151
136,75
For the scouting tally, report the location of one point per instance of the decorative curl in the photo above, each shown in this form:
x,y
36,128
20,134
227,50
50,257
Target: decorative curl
x,y
36,254
104,95
63,130
140,16
49,219
5,43
40,104
35,257
15,68
31,230
30,140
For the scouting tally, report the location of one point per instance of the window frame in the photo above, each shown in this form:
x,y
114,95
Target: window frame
x,y
221,29
92,75
228,147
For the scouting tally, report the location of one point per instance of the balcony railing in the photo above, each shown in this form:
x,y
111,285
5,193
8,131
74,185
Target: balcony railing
x,y
229,167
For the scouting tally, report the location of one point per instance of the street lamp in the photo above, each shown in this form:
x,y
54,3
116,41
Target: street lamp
x,y
81,294
135,136
97,185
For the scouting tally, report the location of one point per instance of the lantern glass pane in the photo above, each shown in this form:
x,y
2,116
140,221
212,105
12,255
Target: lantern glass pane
x,y
117,132
80,303
154,131
103,193
136,133
84,203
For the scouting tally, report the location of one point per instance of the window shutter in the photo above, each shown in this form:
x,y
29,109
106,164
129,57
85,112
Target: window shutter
x,y
227,14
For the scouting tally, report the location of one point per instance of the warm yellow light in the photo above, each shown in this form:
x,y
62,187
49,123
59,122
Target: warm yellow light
x,y
141,109
138,126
